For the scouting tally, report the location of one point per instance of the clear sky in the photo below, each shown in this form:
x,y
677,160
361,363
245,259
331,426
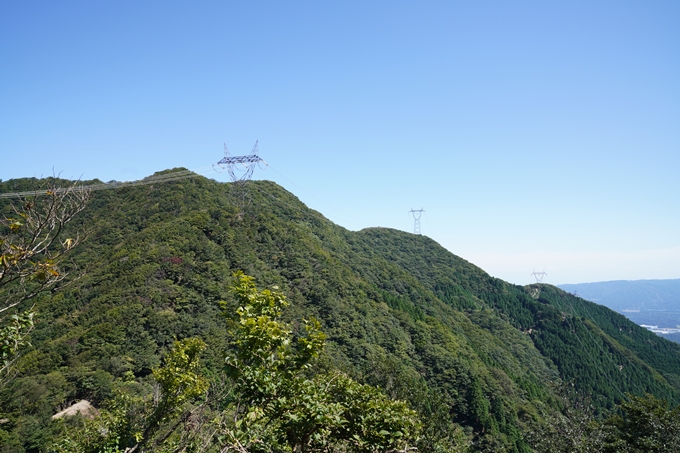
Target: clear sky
x,y
536,135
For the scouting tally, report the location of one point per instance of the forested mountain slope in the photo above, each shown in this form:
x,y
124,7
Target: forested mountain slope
x,y
400,311
649,302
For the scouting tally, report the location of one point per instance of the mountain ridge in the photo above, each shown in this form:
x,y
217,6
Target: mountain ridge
x,y
400,312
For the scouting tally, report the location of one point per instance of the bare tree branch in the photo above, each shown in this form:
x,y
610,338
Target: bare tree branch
x,y
31,249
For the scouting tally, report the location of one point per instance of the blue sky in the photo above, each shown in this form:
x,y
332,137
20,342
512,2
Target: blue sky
x,y
536,135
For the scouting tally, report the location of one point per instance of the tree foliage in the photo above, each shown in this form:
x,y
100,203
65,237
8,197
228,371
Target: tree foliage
x,y
474,356
283,406
132,423
276,403
644,424
31,248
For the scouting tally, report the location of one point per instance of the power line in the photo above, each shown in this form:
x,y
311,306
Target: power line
x,y
318,215
240,169
164,177
593,321
598,367
310,194
231,163
429,227
246,162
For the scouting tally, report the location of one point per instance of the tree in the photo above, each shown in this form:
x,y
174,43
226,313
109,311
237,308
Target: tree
x,y
130,423
283,406
275,402
646,424
574,430
31,249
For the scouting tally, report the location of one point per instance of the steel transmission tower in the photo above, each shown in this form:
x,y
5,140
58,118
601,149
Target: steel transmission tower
x,y
416,219
240,169
247,163
539,275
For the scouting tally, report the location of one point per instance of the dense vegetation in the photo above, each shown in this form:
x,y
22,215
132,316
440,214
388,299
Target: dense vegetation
x,y
481,361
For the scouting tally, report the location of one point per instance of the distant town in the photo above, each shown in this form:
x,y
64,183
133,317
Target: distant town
x,y
662,330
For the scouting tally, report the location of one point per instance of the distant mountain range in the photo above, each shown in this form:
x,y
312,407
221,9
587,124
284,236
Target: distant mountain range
x,y
652,303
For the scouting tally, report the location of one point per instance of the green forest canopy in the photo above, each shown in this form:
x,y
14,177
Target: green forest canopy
x,y
477,358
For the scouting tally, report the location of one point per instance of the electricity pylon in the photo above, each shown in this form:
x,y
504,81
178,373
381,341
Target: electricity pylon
x,y
240,169
539,275
416,219
247,163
